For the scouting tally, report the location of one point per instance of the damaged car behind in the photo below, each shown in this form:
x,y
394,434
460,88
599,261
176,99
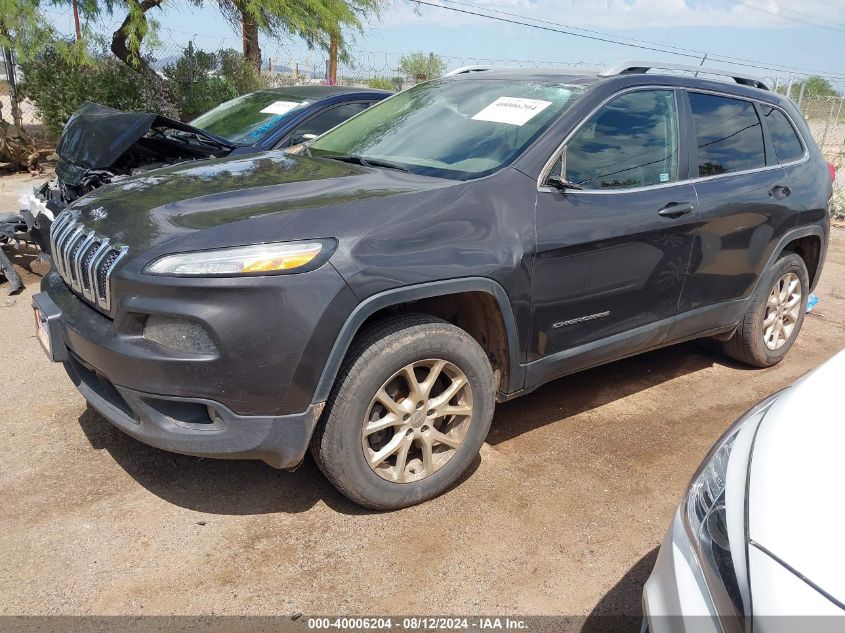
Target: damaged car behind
x,y
100,145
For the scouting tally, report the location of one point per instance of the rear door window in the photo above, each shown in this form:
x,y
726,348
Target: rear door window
x,y
632,141
728,134
788,146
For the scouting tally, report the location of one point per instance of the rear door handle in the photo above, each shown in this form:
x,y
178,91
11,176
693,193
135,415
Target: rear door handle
x,y
676,209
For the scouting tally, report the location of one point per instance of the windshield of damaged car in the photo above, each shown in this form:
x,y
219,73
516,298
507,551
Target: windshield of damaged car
x,y
247,119
451,128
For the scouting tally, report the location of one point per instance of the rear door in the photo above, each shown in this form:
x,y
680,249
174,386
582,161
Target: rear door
x,y
611,257
743,195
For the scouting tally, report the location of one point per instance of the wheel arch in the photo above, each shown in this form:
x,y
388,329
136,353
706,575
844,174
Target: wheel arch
x,y
809,243
378,303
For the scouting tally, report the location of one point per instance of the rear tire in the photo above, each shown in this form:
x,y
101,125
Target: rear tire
x,y
408,414
775,315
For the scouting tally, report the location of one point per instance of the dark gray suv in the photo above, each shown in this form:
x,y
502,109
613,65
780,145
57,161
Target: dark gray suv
x,y
458,244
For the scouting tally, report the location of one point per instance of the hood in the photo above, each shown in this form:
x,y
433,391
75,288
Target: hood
x,y
795,507
164,204
96,136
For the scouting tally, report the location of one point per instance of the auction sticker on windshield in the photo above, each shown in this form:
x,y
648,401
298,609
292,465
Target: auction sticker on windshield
x,y
279,107
512,110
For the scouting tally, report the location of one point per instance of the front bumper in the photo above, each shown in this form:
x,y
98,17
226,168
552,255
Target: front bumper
x,y
248,401
191,426
270,336
675,596
183,425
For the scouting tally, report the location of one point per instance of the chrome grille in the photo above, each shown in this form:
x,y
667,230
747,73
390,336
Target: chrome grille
x,y
84,260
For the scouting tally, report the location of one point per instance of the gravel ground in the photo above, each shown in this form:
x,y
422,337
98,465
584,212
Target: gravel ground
x,y
561,514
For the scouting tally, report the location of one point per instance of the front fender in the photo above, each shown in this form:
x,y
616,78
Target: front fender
x,y
395,296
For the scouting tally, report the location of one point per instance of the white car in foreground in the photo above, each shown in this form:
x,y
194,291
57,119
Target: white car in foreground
x,y
760,533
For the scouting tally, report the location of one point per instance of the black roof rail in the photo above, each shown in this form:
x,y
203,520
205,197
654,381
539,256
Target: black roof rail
x,y
641,67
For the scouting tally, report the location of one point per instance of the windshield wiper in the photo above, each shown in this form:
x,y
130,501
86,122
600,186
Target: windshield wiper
x,y
365,161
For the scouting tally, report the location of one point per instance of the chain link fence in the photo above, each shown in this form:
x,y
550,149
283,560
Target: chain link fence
x,y
826,118
283,65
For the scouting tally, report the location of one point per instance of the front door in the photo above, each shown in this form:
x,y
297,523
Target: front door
x,y
612,256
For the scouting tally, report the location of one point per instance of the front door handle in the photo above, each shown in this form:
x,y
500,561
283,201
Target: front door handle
x,y
676,209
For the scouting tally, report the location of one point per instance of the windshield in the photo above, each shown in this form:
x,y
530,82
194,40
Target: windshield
x,y
247,119
457,129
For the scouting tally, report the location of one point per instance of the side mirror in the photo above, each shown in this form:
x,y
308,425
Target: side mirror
x,y
562,184
557,177
301,138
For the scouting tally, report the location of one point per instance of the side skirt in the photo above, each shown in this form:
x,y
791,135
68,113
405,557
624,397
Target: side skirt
x,y
719,320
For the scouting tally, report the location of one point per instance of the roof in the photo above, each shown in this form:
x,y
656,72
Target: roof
x,y
561,75
592,77
321,91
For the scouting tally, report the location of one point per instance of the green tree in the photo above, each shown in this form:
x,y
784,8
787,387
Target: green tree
x,y
23,31
315,21
814,86
421,67
23,27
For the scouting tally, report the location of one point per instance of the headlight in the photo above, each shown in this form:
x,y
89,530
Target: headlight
x,y
705,520
258,259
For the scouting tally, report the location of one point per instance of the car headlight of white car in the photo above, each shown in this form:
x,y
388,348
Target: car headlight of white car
x,y
717,528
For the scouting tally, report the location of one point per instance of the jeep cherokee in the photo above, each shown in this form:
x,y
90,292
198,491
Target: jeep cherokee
x,y
458,244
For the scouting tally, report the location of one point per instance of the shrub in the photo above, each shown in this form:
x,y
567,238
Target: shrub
x,y
379,83
58,84
201,80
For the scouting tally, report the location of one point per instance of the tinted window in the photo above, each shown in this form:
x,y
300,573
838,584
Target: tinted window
x,y
631,142
327,119
788,146
728,133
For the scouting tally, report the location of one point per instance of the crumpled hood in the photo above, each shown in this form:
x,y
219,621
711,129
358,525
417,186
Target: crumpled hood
x,y
797,474
95,136
163,204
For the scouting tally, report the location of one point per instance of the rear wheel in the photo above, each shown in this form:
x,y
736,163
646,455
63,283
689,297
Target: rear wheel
x,y
408,414
775,315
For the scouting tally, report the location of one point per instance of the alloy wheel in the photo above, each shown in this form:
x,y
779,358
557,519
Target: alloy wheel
x,y
417,420
782,311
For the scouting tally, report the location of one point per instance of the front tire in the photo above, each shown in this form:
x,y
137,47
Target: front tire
x,y
775,315
408,413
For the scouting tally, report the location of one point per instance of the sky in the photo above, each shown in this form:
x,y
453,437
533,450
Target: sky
x,y
806,36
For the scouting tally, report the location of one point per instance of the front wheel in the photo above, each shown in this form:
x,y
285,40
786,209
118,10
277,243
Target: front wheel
x,y
408,414
775,314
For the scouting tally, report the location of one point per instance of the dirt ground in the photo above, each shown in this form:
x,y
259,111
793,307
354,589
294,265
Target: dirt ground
x,y
562,514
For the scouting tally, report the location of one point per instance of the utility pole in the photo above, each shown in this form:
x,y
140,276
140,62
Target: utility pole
x,y
703,59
